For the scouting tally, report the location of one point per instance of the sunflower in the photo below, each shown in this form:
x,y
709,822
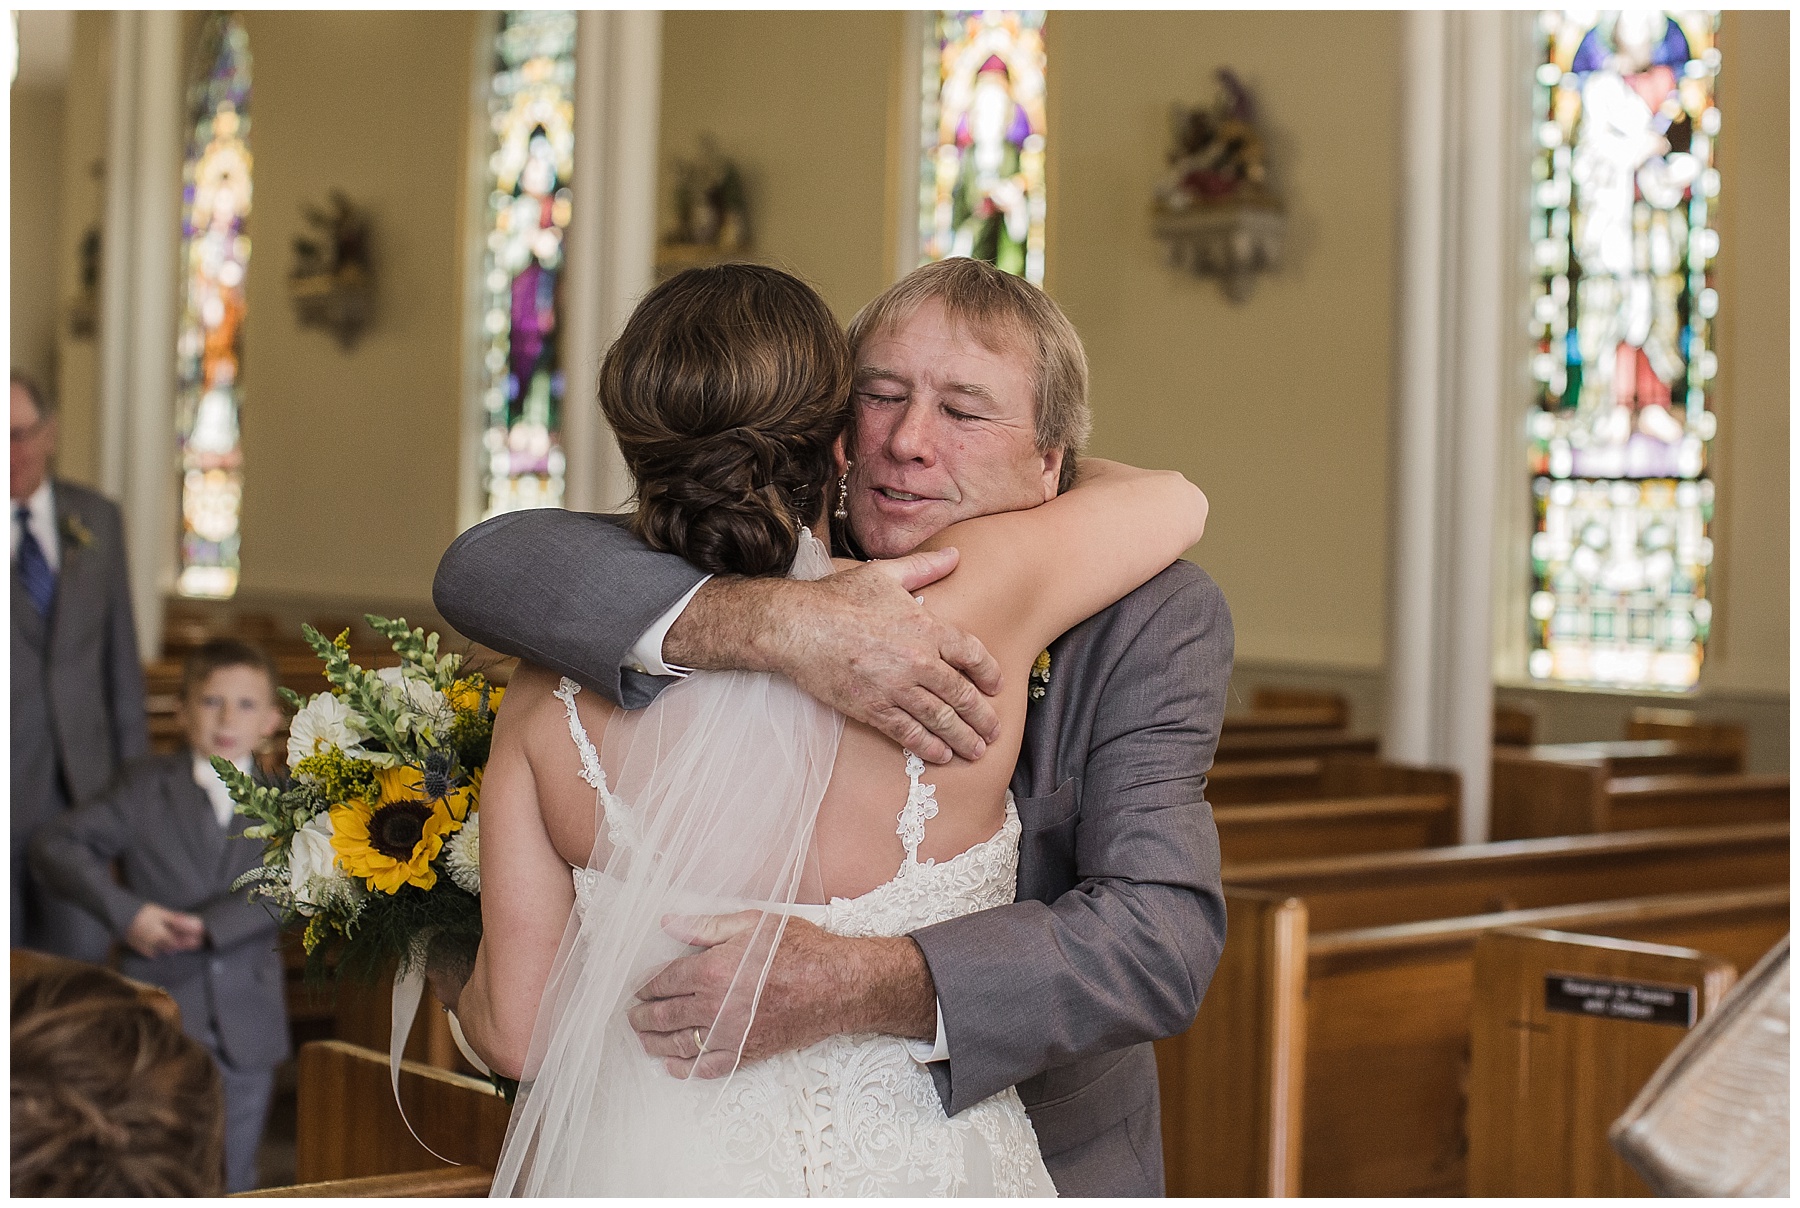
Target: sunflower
x,y
392,838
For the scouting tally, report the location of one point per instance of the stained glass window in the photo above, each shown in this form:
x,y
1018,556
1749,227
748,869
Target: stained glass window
x,y
531,112
1623,306
981,168
209,348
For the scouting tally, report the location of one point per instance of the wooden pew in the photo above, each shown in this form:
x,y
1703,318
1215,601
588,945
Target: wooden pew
x,y
1685,727
349,1126
1514,726
1534,798
1320,777
1291,744
1383,888
1546,1085
1635,757
1388,1017
1231,1084
449,1182
1296,829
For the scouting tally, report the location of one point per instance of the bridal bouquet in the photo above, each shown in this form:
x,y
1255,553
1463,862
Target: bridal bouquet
x,y
373,844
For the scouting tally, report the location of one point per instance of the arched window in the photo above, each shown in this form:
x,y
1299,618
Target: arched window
x,y
215,252
1623,306
531,112
981,167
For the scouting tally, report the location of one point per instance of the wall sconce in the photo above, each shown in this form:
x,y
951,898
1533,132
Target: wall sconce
x,y
1214,211
332,284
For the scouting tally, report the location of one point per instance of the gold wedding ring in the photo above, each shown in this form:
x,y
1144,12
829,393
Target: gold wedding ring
x,y
699,1045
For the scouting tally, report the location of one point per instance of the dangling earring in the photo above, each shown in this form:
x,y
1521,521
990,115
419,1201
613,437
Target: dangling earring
x,y
843,511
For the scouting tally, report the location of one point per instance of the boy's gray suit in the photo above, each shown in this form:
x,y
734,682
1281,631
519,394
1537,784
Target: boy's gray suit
x,y
161,828
77,704
1120,918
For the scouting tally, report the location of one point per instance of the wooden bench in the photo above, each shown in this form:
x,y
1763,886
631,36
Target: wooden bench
x,y
1291,744
1634,757
1295,829
1383,888
1514,726
1545,1085
1320,777
1534,798
1685,727
1388,1018
349,1127
449,1182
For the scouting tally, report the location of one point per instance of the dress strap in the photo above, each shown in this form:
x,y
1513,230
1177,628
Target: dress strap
x,y
621,824
921,804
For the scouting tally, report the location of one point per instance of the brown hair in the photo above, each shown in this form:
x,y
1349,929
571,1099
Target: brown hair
x,y
219,654
1000,310
109,1097
726,390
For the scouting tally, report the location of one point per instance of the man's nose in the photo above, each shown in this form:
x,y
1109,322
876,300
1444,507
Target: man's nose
x,y
914,437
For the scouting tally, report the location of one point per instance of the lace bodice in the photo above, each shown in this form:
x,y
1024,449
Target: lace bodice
x,y
852,1114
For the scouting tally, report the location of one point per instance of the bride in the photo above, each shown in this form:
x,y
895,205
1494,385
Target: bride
x,y
729,392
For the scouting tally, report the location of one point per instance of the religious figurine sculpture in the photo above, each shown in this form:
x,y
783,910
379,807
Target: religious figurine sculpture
x,y
332,284
1214,208
712,218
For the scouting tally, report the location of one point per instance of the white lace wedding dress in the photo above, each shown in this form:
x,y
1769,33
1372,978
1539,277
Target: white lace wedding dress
x,y
851,1115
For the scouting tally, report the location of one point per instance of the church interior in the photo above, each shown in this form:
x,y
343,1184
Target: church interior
x,y
1488,409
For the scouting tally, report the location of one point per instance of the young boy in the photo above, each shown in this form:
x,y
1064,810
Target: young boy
x,y
170,824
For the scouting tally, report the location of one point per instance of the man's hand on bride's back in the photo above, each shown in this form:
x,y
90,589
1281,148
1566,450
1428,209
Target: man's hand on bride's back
x,y
859,642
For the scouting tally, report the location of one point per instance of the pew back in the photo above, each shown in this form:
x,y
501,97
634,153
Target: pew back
x,y
1388,1018
1231,1084
1545,1085
1398,887
1245,743
349,1127
449,1182
1295,829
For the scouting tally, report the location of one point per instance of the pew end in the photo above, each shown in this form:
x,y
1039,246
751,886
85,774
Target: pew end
x,y
1684,726
1546,1084
349,1126
1231,1084
452,1182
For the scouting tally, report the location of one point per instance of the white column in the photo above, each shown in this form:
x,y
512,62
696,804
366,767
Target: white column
x,y
906,138
612,233
1464,141
141,249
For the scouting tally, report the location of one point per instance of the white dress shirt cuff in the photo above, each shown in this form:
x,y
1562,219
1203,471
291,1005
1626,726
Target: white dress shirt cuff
x,y
937,1050
647,655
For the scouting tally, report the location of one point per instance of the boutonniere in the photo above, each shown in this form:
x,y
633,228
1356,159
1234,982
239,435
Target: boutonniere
x,y
76,533
1040,677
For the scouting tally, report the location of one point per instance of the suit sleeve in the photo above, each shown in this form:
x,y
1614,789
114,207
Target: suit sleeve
x,y
1126,955
570,591
72,854
125,671
232,918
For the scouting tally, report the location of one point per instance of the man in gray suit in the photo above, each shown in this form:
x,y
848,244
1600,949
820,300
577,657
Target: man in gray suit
x,y
1120,917
77,686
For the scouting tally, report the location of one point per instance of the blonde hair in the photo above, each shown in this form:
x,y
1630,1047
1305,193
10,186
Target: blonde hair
x,y
1000,311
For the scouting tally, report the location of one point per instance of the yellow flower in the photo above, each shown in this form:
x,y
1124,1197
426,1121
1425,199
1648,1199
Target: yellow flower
x,y
392,839
465,694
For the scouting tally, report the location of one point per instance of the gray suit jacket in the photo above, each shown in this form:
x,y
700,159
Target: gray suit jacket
x,y
77,686
1120,917
159,824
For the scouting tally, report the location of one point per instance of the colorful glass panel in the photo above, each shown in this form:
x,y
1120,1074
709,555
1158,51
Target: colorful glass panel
x,y
209,347
981,168
1623,246
531,112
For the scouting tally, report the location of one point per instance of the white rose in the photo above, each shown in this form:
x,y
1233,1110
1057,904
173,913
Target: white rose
x,y
411,694
312,865
327,720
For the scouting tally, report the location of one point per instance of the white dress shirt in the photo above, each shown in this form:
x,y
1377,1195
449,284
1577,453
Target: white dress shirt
x,y
647,656
43,525
215,788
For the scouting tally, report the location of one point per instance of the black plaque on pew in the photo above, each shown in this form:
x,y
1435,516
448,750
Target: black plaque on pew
x,y
1604,998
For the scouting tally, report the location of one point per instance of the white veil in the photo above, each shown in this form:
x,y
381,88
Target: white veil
x,y
708,807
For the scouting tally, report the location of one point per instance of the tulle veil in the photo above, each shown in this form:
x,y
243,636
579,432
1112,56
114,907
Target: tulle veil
x,y
709,802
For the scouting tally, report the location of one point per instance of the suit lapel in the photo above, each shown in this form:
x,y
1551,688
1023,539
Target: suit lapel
x,y
191,806
74,562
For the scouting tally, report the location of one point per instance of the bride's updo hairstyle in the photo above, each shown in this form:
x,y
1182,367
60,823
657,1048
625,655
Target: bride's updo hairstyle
x,y
726,390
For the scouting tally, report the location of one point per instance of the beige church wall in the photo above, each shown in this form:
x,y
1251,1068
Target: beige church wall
x,y
801,102
1278,407
350,458
36,127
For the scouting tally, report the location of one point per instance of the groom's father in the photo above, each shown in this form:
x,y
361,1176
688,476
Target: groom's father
x,y
970,399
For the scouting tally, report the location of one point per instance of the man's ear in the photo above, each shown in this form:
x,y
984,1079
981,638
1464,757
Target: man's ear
x,y
838,457
1053,463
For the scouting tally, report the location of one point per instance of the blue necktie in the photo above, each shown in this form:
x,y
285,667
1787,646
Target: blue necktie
x,y
34,568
